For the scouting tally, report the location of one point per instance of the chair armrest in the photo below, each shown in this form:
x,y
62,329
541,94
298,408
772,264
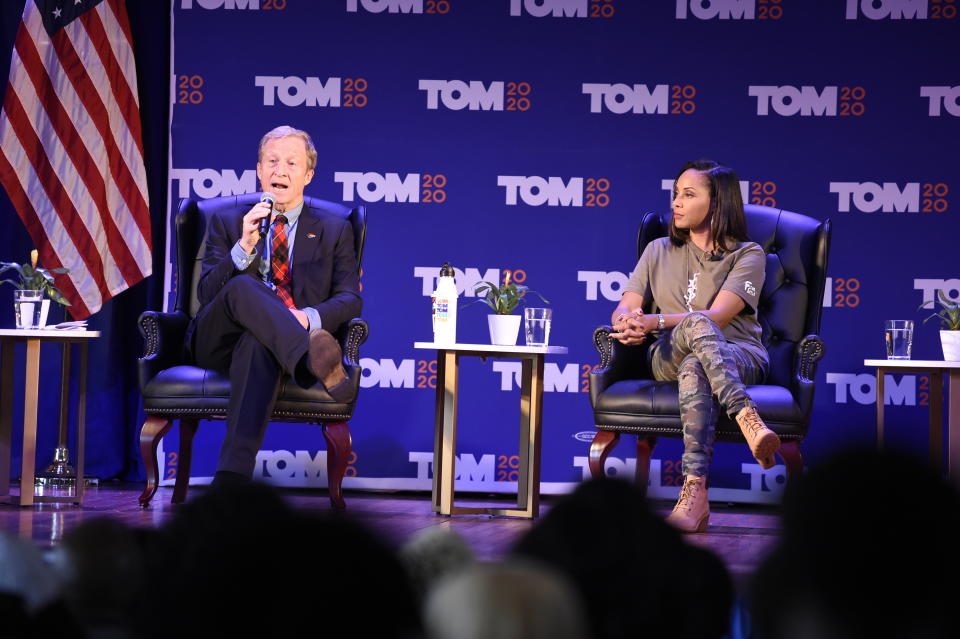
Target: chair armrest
x,y
355,335
604,344
810,350
617,362
163,335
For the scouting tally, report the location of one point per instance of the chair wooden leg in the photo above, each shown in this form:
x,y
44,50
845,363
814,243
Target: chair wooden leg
x,y
338,439
603,443
151,433
645,446
188,428
792,457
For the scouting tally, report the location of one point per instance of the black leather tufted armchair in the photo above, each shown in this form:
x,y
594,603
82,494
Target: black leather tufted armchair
x,y
173,389
626,399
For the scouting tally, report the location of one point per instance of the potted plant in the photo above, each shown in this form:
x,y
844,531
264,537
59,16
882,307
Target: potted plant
x,y
949,315
30,288
503,300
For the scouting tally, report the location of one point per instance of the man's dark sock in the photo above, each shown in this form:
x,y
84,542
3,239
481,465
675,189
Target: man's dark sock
x,y
229,478
342,392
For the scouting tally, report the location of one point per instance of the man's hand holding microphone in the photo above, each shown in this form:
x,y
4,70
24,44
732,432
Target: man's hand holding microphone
x,y
256,222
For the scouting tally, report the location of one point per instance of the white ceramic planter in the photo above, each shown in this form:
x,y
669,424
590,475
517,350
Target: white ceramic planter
x,y
950,340
44,312
504,329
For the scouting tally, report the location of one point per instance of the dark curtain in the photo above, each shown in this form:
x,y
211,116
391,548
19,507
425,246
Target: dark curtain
x,y
114,412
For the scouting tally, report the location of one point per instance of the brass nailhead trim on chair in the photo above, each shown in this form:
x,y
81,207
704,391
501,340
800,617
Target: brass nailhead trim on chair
x,y
219,414
149,325
637,430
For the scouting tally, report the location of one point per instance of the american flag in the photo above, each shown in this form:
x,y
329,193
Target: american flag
x,y
72,155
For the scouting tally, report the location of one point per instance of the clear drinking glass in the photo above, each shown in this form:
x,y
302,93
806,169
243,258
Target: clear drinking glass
x,y
536,324
899,337
26,306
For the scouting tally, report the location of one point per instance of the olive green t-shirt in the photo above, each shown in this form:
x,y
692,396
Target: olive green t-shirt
x,y
682,279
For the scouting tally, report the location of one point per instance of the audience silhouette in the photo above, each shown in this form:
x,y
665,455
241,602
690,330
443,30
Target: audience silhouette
x,y
868,549
238,561
635,573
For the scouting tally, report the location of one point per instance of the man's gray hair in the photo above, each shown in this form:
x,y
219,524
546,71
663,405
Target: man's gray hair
x,y
288,131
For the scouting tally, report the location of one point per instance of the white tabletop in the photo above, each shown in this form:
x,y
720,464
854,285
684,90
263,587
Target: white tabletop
x,y
33,333
493,348
910,363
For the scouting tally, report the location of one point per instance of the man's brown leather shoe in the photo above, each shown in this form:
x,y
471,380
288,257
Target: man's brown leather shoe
x,y
324,360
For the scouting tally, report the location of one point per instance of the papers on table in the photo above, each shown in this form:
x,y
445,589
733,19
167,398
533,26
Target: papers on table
x,y
78,325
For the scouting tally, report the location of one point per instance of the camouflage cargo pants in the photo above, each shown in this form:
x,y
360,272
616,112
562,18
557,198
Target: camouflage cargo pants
x,y
711,373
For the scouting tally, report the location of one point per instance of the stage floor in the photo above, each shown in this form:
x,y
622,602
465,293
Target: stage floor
x,y
741,535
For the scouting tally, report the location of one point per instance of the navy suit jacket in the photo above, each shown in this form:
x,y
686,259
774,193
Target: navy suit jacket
x,y
324,274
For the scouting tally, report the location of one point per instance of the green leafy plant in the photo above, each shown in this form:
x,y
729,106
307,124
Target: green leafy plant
x,y
503,300
949,313
34,278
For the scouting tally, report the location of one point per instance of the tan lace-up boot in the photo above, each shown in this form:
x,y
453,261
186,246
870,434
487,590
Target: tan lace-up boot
x,y
692,511
762,441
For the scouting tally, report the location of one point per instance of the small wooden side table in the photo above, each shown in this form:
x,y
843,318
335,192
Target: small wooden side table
x,y
33,338
445,429
949,379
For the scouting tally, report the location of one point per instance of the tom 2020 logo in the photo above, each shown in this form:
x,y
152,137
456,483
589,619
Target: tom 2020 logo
x,y
563,8
807,101
729,9
890,197
536,190
312,91
251,5
370,186
421,7
474,95
639,99
901,9
898,390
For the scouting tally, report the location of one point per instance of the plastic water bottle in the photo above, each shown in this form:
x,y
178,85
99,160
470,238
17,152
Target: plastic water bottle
x,y
445,307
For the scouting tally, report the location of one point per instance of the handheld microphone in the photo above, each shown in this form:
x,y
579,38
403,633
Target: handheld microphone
x,y
269,198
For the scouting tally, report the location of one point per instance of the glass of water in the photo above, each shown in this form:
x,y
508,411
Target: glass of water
x,y
27,305
536,324
899,337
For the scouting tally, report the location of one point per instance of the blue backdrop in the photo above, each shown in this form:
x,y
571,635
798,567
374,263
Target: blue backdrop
x,y
523,138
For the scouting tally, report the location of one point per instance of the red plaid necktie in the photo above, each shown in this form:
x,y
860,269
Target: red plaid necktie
x,y
279,264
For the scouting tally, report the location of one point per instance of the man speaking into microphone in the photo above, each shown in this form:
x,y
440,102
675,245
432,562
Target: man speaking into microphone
x,y
277,281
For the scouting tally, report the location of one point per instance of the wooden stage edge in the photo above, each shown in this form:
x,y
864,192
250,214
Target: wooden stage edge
x,y
741,535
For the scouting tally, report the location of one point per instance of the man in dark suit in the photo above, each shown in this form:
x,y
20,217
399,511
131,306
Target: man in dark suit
x,y
269,306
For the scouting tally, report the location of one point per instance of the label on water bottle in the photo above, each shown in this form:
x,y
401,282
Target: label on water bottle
x,y
442,310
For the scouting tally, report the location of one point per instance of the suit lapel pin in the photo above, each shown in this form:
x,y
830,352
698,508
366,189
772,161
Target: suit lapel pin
x,y
311,236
